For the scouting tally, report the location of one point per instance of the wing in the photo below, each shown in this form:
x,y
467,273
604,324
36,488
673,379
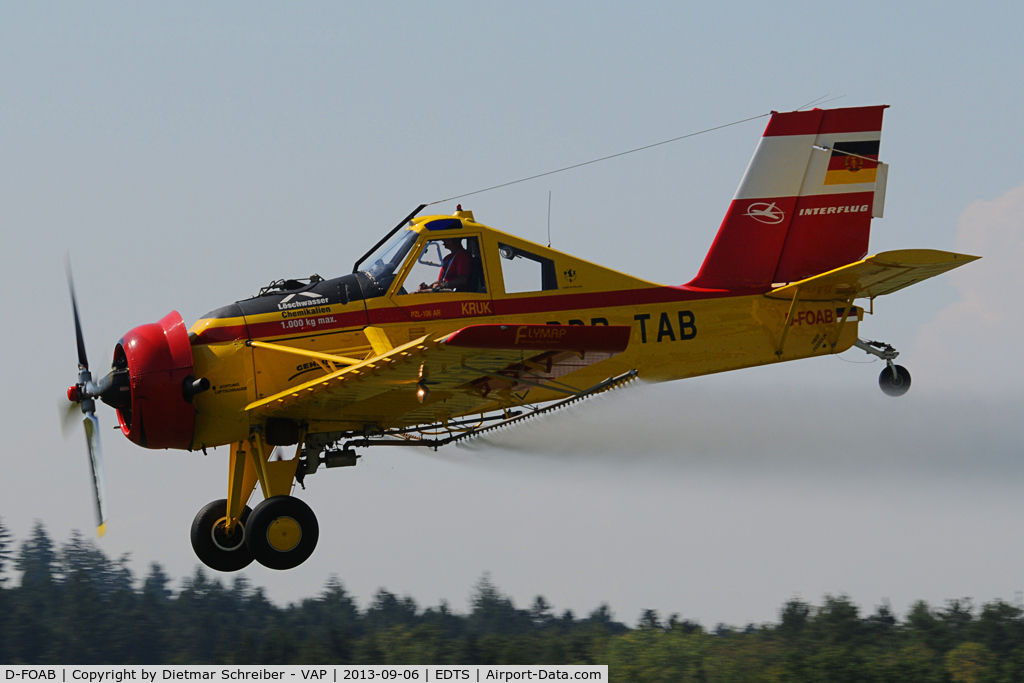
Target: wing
x,y
876,275
464,371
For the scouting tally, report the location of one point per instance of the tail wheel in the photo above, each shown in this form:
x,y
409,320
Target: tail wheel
x,y
894,380
213,545
282,532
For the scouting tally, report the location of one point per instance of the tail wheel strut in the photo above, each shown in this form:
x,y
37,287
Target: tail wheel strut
x,y
894,380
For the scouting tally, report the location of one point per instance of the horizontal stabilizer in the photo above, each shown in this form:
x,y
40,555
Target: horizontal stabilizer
x,y
876,275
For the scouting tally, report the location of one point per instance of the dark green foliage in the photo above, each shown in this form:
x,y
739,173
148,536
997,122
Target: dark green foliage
x,y
5,623
5,551
76,606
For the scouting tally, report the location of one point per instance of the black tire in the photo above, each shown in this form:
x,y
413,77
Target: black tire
x,y
894,384
213,547
282,532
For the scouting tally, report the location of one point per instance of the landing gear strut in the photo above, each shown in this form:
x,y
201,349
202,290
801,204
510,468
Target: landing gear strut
x,y
281,533
894,379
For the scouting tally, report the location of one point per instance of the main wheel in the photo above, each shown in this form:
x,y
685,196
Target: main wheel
x,y
282,532
214,547
894,384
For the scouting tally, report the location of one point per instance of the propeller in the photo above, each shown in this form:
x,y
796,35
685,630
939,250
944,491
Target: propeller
x,y
84,393
67,413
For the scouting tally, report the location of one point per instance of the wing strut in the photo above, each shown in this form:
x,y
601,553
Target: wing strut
x,y
789,322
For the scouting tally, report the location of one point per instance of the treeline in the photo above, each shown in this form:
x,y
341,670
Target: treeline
x,y
74,605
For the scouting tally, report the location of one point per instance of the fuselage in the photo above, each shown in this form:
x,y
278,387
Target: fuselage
x,y
677,331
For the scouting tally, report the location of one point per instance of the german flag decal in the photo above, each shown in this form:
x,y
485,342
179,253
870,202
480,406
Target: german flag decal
x,y
852,162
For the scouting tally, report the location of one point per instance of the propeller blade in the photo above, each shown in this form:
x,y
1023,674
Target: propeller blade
x,y
82,360
92,436
66,413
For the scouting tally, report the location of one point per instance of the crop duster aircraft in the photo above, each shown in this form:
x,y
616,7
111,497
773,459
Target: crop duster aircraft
x,y
449,327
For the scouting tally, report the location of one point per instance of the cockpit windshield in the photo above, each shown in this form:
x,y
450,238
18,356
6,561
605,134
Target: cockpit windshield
x,y
382,269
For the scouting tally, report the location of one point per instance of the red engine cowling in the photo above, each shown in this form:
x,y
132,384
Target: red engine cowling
x,y
159,361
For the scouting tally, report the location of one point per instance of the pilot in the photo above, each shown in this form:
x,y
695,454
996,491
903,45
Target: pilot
x,y
455,269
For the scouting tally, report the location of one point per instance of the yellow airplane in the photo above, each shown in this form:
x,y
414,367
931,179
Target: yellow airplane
x,y
448,327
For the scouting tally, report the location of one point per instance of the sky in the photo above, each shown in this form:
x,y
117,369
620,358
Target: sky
x,y
184,155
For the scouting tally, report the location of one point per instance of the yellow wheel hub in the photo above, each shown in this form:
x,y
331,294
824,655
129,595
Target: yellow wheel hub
x,y
283,534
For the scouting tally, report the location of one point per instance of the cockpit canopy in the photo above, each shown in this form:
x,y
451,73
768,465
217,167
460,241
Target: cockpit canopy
x,y
382,270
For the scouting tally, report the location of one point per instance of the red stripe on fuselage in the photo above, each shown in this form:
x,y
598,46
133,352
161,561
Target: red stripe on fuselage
x,y
556,303
549,303
562,303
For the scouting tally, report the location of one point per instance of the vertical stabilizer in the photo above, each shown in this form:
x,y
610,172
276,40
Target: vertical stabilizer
x,y
805,204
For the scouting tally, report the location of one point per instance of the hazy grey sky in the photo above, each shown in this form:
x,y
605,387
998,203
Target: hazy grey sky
x,y
186,155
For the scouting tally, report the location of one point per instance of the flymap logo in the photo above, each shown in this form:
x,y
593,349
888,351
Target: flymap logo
x,y
765,213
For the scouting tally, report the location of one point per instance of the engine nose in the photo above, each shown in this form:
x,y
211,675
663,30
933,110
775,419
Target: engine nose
x,y
158,357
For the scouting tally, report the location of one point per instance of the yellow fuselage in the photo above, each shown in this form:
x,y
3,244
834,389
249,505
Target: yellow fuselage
x,y
677,331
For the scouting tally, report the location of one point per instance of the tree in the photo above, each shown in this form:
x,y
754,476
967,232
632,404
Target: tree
x,y
388,610
331,620
999,627
5,551
540,612
881,625
656,656
493,613
82,624
35,602
923,626
150,616
37,560
793,618
915,663
684,625
5,557
969,663
837,621
649,621
957,618
206,621
441,617
155,587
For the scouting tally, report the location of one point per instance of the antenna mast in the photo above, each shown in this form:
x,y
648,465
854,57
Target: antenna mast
x,y
549,219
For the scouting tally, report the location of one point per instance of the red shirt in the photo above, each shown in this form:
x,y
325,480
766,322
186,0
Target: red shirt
x,y
455,264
